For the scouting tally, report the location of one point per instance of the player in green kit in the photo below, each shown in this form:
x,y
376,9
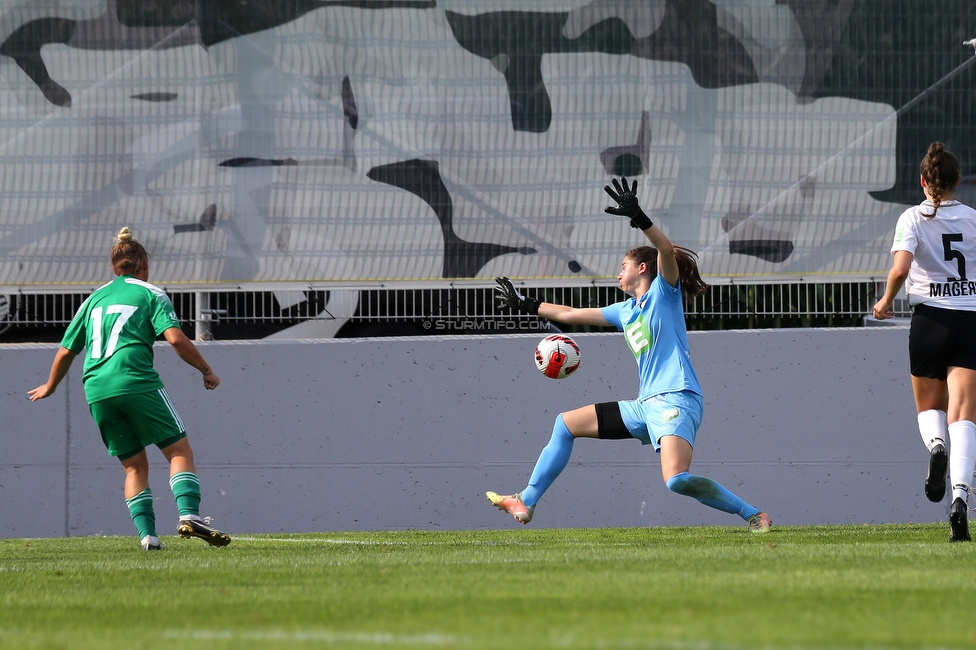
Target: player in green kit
x,y
116,327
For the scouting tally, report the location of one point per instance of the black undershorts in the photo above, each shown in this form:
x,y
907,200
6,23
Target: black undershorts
x,y
940,339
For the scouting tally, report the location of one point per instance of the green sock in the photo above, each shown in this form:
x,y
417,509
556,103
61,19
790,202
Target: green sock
x,y
186,491
141,511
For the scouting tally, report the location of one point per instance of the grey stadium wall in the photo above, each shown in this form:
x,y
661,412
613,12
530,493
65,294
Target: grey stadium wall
x,y
814,426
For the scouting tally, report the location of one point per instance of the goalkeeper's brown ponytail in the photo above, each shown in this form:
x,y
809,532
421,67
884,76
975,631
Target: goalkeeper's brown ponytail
x,y
688,274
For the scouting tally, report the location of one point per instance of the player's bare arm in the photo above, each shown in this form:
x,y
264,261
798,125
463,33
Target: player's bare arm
x,y
896,280
189,353
667,263
572,315
59,369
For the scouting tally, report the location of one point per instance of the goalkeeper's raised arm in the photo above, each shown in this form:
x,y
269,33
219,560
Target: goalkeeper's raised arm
x,y
628,205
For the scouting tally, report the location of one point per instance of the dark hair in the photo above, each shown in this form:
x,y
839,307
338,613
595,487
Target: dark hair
x,y
940,169
128,256
691,280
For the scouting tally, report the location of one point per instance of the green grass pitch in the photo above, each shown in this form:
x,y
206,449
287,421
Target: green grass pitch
x,y
695,588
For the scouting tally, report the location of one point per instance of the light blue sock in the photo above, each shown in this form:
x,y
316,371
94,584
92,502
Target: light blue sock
x,y
552,461
711,494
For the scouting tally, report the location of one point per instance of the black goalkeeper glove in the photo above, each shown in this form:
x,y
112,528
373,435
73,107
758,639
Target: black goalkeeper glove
x,y
627,204
509,298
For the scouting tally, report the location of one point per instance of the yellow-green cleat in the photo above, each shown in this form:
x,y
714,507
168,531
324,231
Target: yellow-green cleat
x,y
760,523
512,504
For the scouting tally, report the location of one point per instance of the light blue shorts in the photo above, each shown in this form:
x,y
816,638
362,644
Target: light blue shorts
x,y
670,414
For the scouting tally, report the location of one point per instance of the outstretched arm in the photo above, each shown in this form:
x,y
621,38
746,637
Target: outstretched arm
x,y
572,315
185,349
508,297
629,206
60,367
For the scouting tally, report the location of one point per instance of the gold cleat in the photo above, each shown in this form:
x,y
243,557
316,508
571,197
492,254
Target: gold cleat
x,y
201,528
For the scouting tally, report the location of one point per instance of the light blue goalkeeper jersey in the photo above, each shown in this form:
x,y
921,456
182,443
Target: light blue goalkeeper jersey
x,y
654,328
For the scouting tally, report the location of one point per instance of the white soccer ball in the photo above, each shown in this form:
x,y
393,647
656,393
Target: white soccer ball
x,y
557,356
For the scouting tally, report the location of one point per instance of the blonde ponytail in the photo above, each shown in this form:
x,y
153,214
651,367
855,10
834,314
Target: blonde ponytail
x,y
128,256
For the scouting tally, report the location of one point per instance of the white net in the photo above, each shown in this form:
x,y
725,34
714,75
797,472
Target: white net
x,y
418,141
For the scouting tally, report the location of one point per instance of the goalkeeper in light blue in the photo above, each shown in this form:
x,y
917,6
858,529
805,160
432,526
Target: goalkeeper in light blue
x,y
668,408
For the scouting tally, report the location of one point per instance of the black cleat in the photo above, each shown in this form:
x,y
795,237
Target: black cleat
x,y
935,482
201,528
959,521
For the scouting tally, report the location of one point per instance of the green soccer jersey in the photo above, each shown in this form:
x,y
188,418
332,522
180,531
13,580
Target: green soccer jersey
x,y
117,326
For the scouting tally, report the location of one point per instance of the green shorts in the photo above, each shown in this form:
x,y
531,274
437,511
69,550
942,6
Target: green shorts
x,y
130,423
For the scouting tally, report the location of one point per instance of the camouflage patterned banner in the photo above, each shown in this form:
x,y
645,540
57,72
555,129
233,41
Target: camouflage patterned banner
x,y
354,141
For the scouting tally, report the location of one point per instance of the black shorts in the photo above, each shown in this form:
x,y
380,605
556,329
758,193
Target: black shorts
x,y
940,339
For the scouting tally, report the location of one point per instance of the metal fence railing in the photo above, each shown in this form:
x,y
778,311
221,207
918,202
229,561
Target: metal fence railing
x,y
245,314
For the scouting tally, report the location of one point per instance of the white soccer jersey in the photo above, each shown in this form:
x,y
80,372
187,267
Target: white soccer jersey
x,y
944,250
